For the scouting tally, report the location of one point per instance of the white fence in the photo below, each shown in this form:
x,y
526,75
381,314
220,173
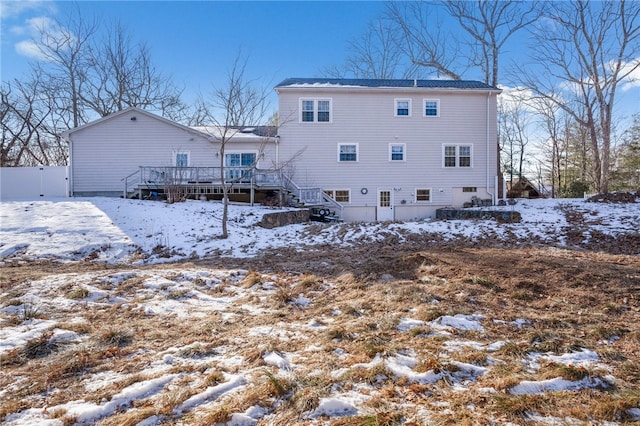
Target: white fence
x,y
33,182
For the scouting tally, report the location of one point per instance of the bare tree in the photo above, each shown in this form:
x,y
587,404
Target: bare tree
x,y
63,48
122,75
513,122
627,167
236,105
423,39
555,146
76,76
487,26
375,54
26,138
490,24
590,47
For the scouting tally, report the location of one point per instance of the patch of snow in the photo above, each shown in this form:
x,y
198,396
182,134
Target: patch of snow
x,y
634,413
402,366
211,393
407,324
302,301
461,322
277,360
333,407
557,384
15,337
582,358
86,412
496,346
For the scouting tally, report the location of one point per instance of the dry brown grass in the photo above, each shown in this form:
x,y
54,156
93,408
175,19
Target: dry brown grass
x,y
251,279
572,300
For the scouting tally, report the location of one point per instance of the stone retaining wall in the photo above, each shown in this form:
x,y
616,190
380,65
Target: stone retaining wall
x,y
274,220
499,215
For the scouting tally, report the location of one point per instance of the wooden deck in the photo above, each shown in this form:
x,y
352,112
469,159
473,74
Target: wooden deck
x,y
246,184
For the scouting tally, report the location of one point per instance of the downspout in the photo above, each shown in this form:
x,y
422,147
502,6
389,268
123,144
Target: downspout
x,y
493,201
277,151
70,170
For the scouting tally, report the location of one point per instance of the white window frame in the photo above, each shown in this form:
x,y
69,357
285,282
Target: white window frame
x,y
228,169
242,151
315,110
332,193
457,158
424,108
357,152
395,109
175,158
404,152
415,198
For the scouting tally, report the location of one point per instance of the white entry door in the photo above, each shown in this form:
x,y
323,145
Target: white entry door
x,y
385,205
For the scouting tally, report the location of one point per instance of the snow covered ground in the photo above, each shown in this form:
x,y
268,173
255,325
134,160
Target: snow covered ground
x,y
193,380
117,230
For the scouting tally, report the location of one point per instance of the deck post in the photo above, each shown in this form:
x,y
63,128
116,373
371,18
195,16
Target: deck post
x,y
252,191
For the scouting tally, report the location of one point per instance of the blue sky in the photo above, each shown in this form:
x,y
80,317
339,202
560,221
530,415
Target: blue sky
x,y
195,42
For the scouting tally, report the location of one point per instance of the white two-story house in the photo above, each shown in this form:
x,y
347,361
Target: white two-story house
x,y
371,150
391,149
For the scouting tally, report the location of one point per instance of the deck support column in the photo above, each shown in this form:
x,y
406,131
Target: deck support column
x,y
252,190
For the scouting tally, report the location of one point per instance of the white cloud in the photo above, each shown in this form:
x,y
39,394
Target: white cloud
x,y
512,98
39,23
18,30
633,80
26,27
33,28
30,49
12,9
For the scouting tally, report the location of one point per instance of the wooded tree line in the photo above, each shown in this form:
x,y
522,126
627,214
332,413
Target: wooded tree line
x,y
558,124
81,73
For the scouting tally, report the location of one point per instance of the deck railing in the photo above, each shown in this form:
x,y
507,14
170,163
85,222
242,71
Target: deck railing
x,y
155,177
159,176
308,195
151,177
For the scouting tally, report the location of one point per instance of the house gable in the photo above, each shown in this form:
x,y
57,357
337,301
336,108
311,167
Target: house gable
x,y
132,113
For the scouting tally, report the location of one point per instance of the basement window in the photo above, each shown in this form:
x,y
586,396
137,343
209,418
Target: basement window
x,y
340,195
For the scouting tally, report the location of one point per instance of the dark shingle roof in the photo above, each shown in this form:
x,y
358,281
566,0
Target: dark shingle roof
x,y
356,82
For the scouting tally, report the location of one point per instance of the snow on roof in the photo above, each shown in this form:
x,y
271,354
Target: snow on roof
x,y
238,133
383,83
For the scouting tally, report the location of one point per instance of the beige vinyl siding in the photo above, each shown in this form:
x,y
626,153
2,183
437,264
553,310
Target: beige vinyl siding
x,y
366,117
103,154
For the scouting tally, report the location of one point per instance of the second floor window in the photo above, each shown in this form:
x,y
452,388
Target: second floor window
x,y
308,111
431,108
315,110
347,152
324,111
403,107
